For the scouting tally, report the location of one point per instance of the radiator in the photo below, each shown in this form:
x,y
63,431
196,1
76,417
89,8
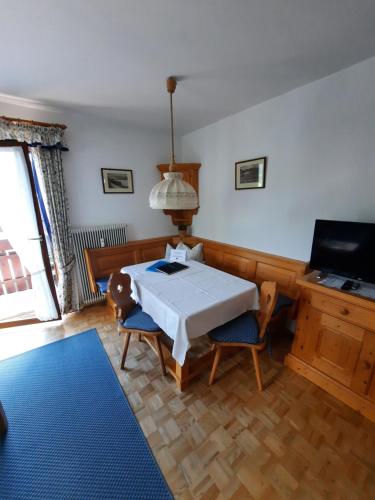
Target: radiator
x,y
93,237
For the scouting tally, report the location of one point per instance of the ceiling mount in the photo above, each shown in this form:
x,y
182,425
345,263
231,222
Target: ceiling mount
x,y
171,84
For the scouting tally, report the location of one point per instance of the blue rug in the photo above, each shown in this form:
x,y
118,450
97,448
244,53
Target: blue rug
x,y
72,433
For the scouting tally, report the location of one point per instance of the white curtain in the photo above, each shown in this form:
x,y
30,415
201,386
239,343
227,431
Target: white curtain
x,y
18,221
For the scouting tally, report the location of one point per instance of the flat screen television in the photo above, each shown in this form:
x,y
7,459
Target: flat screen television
x,y
344,248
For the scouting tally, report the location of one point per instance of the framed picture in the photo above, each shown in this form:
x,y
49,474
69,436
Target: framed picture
x,y
117,181
251,174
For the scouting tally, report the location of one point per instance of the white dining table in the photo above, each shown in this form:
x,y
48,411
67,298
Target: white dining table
x,y
190,303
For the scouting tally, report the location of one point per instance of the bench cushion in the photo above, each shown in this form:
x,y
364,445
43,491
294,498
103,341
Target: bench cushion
x,y
102,284
282,301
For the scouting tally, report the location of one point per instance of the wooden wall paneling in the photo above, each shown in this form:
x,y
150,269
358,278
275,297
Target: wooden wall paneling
x,y
284,278
297,266
101,262
232,259
213,257
107,263
155,253
243,262
239,266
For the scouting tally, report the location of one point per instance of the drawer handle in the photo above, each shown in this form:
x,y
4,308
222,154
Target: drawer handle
x,y
366,365
344,311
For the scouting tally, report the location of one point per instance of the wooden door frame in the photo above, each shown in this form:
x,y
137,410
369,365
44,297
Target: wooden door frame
x,y
43,245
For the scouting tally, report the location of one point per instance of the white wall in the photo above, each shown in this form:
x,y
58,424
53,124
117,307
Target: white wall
x,y
320,144
94,144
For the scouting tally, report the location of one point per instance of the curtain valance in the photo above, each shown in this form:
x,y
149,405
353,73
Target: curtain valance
x,y
33,135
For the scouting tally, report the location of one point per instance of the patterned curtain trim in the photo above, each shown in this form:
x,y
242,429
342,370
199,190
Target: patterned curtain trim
x,y
32,134
52,175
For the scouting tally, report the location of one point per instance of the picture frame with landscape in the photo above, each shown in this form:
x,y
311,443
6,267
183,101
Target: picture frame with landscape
x,y
117,180
251,174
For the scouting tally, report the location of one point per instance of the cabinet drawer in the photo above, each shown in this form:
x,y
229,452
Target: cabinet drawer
x,y
345,311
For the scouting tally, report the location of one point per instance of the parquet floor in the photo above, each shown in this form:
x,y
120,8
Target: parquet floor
x,y
229,441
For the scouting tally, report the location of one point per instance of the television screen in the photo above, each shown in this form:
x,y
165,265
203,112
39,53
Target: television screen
x,y
344,248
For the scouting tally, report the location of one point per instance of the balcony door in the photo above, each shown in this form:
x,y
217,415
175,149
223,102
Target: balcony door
x,y
27,290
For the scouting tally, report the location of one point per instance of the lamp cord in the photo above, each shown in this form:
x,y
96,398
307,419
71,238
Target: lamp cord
x,y
172,129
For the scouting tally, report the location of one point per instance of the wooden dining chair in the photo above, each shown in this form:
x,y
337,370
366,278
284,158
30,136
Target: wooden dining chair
x,y
130,317
247,330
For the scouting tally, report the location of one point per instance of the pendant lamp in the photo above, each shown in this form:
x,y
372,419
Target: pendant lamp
x,y
173,193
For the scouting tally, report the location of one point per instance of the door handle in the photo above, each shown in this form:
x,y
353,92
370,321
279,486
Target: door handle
x,y
37,238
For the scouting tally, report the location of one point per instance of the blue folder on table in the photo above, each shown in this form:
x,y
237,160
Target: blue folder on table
x,y
154,267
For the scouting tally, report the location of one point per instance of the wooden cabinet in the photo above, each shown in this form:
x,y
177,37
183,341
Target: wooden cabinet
x,y
334,345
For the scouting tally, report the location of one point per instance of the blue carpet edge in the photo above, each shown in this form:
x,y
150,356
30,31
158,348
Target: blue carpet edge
x,y
93,332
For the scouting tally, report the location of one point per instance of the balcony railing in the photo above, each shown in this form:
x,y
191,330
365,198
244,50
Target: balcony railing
x,y
14,277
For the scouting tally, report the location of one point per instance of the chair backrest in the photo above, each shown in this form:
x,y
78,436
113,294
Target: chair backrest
x,y
268,297
119,289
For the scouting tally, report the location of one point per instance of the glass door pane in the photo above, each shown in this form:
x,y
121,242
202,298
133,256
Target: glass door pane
x,y
27,290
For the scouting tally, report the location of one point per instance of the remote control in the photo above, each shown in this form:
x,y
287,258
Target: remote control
x,y
348,285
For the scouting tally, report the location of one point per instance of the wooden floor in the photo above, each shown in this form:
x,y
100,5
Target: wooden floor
x,y
229,441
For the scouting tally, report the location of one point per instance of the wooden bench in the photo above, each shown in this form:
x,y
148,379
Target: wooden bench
x,y
252,265
248,264
243,262
102,262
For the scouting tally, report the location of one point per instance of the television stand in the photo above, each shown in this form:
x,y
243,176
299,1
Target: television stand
x,y
334,345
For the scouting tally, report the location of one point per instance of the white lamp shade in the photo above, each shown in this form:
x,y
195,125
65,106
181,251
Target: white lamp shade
x,y
173,193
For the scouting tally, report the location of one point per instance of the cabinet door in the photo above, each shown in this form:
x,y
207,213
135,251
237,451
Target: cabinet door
x,y
363,381
338,347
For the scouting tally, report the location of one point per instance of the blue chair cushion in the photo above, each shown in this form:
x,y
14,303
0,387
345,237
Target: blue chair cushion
x,y
102,284
282,301
243,329
139,320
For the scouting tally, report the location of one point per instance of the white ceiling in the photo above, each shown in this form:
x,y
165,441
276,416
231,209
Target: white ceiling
x,y
111,57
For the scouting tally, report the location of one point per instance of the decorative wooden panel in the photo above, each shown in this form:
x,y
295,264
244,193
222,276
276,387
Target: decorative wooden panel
x,y
338,347
364,370
213,258
283,277
239,266
157,252
106,263
101,262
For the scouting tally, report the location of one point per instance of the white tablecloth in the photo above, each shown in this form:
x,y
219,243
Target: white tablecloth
x,y
192,302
